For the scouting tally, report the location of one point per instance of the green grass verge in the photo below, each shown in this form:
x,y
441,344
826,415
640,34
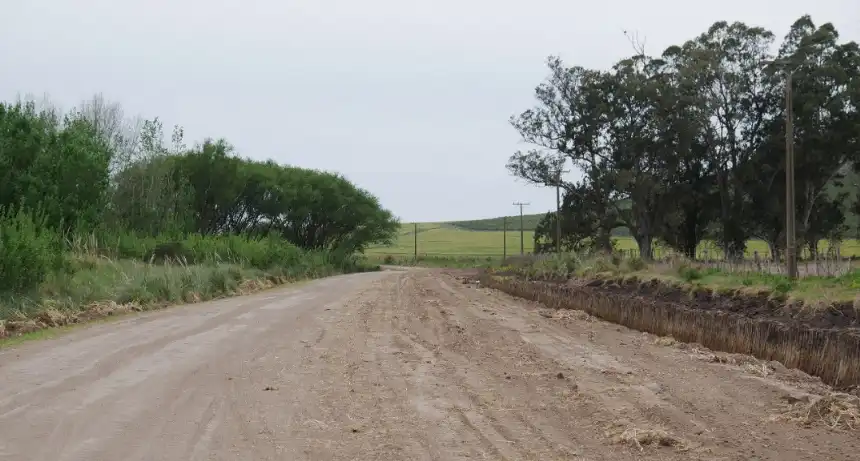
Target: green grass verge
x,y
811,290
99,287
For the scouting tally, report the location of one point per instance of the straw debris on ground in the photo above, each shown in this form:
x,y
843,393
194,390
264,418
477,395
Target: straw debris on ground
x,y
643,437
665,341
836,410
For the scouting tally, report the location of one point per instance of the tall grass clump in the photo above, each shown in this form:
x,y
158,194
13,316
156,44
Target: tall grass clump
x,y
558,266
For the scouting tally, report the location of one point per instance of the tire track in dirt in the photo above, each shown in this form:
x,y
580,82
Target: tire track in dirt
x,y
500,416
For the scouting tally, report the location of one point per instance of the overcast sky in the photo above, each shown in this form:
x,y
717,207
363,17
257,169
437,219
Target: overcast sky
x,y
409,99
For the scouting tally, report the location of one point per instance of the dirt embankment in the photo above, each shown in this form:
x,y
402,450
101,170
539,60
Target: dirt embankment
x,y
823,342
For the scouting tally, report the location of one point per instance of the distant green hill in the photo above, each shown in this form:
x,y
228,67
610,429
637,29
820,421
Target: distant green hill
x,y
530,222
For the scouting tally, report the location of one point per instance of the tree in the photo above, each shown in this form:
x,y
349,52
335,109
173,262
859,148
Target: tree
x,y
121,135
739,98
318,210
825,89
640,159
693,142
149,194
580,220
567,124
58,170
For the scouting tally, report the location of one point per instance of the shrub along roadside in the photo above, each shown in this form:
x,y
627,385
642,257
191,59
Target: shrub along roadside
x,y
29,251
95,280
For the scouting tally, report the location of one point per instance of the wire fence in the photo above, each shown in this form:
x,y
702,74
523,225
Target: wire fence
x,y
830,263
834,261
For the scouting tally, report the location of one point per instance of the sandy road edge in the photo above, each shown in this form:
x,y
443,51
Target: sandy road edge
x,y
124,312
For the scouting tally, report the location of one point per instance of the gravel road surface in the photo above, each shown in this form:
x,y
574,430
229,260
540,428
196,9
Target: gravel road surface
x,y
394,365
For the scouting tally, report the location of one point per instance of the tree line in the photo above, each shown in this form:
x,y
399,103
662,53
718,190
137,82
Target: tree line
x,y
94,170
690,145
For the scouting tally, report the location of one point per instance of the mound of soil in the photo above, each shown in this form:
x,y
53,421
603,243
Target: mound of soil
x,y
762,305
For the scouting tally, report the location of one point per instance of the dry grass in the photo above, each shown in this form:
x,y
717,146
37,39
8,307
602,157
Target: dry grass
x,y
50,314
761,369
747,363
565,314
665,341
640,438
835,410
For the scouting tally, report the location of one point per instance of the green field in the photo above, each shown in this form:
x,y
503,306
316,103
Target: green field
x,y
443,239
529,223
452,239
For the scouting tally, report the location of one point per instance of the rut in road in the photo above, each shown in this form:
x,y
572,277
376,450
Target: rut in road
x,y
395,365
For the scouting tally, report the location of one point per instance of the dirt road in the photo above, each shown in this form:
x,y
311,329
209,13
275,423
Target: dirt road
x,y
387,366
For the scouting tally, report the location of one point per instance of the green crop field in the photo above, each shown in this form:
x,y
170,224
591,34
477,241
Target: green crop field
x,y
451,239
512,223
443,239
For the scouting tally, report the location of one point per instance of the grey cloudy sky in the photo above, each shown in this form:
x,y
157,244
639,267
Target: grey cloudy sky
x,y
409,99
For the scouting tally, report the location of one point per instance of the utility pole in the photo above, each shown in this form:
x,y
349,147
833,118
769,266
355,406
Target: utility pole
x,y
522,233
416,242
558,209
790,220
504,239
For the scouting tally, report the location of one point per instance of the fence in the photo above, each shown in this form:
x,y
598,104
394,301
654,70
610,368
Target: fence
x,y
832,259
829,263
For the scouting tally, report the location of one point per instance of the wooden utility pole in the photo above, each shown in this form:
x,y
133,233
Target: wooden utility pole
x,y
416,242
522,232
790,219
504,239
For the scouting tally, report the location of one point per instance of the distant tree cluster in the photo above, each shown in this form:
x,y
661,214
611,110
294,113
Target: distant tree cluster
x,y
94,170
690,144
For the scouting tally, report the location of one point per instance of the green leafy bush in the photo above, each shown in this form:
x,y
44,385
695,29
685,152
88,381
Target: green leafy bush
x,y
636,264
556,267
782,286
29,250
689,273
